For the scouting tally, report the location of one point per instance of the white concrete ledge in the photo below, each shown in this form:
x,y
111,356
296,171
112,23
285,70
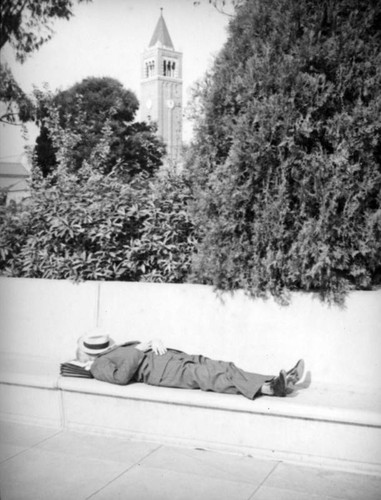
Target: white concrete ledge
x,y
345,425
328,403
337,418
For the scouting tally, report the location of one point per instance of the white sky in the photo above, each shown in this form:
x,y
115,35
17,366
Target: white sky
x,y
106,38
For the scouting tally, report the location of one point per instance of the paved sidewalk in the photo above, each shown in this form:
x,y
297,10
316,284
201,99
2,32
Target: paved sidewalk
x,y
40,463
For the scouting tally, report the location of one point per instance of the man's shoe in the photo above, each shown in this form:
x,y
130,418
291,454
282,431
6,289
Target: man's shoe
x,y
295,374
279,385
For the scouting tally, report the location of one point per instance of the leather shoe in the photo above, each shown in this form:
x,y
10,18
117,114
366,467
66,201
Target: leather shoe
x,y
279,385
295,374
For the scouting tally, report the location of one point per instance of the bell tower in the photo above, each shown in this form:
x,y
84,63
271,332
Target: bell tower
x,y
161,88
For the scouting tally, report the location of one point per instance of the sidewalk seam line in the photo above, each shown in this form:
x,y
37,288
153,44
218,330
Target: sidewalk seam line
x,y
33,446
251,497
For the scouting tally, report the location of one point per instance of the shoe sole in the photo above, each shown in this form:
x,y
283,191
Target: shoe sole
x,y
298,370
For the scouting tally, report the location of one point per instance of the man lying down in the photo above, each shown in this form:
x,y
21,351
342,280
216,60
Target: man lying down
x,y
153,363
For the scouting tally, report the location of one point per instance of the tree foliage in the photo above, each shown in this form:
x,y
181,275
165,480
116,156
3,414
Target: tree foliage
x,y
90,225
18,107
225,7
25,25
287,159
95,100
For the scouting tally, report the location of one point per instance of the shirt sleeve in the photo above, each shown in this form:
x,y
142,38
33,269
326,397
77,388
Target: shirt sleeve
x,y
117,370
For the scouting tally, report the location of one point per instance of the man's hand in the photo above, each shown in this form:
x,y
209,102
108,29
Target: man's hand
x,y
158,347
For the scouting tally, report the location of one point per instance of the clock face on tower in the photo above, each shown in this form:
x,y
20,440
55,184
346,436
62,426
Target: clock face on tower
x,y
170,103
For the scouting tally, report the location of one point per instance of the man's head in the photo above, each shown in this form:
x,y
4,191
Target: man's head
x,y
93,344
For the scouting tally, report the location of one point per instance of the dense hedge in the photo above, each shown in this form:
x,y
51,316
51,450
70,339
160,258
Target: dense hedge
x,y
287,161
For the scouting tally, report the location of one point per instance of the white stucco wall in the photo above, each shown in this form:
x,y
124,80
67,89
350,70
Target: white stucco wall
x,y
339,345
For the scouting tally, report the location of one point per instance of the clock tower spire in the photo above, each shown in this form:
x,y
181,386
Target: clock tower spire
x,y
161,88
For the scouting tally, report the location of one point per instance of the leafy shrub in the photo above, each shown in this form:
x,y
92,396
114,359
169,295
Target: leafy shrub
x,y
92,225
99,229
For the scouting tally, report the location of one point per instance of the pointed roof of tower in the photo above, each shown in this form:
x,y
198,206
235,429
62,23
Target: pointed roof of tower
x,y
161,34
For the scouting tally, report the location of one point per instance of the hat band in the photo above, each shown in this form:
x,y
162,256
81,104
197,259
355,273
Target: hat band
x,y
96,347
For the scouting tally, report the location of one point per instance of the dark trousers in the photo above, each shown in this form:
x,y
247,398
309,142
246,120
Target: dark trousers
x,y
198,372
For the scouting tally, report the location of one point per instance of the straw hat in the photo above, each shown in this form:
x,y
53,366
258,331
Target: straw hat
x,y
95,343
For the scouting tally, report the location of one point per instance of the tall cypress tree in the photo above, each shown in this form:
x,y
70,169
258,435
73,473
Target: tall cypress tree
x,y
287,157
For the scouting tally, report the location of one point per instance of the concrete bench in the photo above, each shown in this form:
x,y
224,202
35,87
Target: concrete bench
x,y
336,420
